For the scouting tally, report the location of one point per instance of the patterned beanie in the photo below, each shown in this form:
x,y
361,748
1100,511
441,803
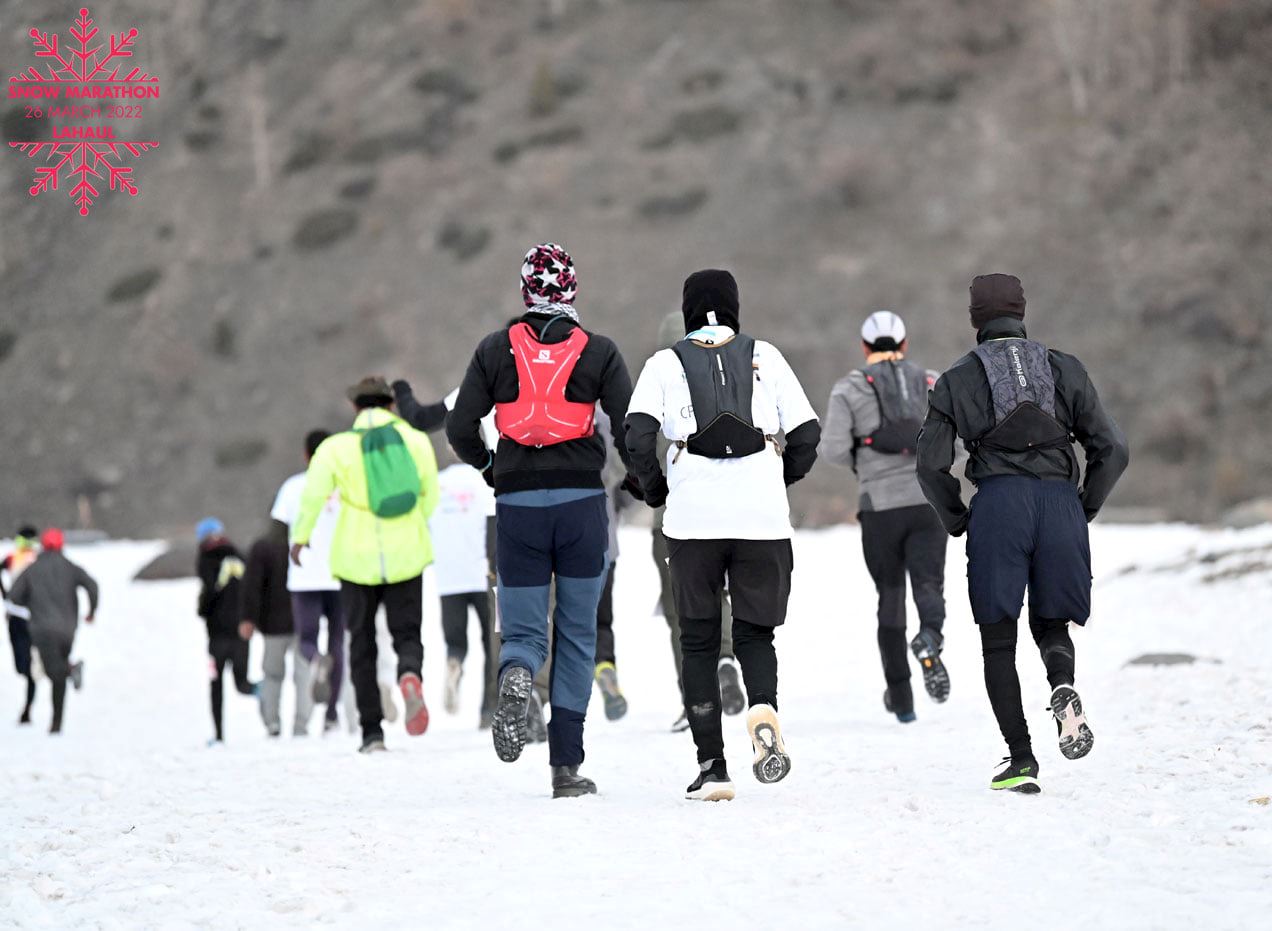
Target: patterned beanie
x,y
548,284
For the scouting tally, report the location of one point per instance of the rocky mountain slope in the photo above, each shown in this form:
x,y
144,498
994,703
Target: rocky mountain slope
x,y
349,187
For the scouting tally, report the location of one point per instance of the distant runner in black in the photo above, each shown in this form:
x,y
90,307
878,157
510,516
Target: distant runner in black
x,y
872,425
1019,407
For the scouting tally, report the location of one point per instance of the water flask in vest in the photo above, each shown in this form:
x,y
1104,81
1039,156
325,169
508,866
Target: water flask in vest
x,y
541,416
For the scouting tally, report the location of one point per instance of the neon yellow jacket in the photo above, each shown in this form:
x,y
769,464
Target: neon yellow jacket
x,y
367,549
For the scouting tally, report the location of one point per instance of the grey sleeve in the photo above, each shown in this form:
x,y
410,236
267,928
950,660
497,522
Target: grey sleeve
x,y
837,439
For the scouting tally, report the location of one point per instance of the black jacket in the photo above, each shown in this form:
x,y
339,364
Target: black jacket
x,y
220,569
424,417
266,601
599,375
961,407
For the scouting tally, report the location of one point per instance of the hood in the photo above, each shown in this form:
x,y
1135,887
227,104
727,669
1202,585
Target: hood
x,y
1002,328
710,298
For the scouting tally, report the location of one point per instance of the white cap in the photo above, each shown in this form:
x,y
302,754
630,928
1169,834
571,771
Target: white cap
x,y
883,324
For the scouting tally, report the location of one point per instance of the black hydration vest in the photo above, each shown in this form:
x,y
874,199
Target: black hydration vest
x,y
721,380
1024,390
901,388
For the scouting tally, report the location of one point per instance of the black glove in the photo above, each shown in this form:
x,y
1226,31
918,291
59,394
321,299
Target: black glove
x,y
656,496
631,485
401,388
488,474
961,527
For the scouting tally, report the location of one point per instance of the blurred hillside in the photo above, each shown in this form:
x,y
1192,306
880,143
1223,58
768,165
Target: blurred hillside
x,y
344,188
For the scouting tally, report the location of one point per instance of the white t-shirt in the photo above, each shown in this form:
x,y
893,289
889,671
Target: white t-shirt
x,y
458,529
489,433
722,499
313,574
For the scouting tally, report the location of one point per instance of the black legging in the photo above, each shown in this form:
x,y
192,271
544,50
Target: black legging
x,y
30,699
896,542
605,621
455,632
998,647
231,650
700,642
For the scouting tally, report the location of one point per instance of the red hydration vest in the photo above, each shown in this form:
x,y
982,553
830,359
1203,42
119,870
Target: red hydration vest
x,y
541,416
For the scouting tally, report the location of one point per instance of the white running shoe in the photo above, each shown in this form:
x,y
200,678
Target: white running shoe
x,y
771,762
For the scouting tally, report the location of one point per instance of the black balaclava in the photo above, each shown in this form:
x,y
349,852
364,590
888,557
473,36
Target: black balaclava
x,y
995,296
710,291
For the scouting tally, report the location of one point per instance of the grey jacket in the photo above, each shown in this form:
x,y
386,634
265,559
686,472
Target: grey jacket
x,y
884,481
49,589
612,475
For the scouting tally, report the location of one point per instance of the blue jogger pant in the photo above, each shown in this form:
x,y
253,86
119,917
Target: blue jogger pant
x,y
1028,532
542,536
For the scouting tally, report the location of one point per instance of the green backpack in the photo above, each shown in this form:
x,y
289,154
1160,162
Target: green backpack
x,y
393,479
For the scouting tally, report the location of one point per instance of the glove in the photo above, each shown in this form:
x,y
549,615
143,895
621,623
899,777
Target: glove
x,y
656,496
488,474
631,485
401,388
961,527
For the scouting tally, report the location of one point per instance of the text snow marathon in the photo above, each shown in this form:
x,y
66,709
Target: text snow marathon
x,y
82,91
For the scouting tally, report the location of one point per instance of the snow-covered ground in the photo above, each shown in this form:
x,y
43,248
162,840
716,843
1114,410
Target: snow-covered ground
x,y
129,821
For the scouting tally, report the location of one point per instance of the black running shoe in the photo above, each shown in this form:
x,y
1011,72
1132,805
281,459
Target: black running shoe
x,y
732,698
567,783
926,647
712,785
1018,776
373,743
1076,739
900,701
508,727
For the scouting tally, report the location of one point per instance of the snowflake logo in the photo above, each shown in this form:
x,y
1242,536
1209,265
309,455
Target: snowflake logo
x,y
90,72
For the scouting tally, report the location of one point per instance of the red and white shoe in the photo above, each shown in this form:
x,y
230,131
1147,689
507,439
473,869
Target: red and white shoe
x,y
416,711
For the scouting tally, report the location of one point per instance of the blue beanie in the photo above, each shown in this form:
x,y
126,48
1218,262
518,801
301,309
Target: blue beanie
x,y
208,527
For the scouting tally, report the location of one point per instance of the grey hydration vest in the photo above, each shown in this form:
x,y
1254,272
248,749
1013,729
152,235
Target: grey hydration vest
x,y
1024,391
901,389
721,381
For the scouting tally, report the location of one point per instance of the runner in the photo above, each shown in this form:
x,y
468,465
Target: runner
x,y
49,590
544,377
1019,407
26,548
267,610
872,426
220,570
461,572
721,397
386,475
315,595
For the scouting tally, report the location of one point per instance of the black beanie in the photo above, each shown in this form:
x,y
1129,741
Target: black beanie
x,y
710,292
995,296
